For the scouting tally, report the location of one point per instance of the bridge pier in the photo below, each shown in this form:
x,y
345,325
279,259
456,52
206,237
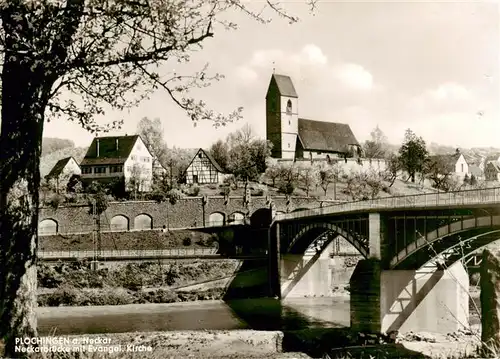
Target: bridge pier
x,y
427,299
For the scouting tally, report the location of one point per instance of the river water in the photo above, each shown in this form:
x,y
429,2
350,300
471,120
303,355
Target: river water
x,y
260,314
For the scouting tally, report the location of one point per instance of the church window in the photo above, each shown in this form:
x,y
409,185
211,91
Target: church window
x,y
289,107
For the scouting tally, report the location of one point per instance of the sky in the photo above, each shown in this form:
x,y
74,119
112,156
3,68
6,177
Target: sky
x,y
429,66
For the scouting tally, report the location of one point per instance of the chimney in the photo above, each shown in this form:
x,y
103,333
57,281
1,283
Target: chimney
x,y
116,144
97,145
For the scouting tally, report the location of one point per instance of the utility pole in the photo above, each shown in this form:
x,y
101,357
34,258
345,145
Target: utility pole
x,y
95,234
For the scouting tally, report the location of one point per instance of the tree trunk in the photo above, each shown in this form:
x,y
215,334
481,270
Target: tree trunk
x,y
24,98
490,305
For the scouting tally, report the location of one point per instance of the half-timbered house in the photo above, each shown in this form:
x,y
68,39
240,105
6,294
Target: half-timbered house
x,y
203,169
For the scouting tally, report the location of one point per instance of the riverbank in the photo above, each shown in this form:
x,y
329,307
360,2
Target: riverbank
x,y
252,344
75,284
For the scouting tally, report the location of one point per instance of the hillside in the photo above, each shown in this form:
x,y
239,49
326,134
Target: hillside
x,y
51,144
49,160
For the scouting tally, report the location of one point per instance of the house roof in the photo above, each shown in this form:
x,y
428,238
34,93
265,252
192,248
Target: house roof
x,y
475,170
59,167
109,154
325,136
493,165
449,161
491,158
285,85
210,158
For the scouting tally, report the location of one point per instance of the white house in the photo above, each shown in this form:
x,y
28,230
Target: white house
x,y
455,164
203,169
62,172
111,158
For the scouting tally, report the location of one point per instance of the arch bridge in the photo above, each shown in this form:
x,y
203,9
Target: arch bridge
x,y
412,247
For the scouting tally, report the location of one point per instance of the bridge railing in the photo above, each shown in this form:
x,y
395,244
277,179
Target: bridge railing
x,y
455,198
146,253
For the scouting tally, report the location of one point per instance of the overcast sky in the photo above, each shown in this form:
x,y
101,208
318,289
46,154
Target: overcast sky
x,y
432,67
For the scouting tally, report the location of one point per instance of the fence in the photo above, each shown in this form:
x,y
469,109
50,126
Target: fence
x,y
132,254
457,198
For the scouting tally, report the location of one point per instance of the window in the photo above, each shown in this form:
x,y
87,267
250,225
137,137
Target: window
x,y
289,122
195,178
289,107
86,170
116,169
462,167
133,157
199,155
100,169
288,145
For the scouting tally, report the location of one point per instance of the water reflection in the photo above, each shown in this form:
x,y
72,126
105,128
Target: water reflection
x,y
261,314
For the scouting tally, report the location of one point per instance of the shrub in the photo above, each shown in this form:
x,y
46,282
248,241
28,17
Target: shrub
x,y
286,188
194,191
225,190
186,241
55,201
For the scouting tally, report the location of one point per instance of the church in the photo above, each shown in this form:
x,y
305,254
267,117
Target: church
x,y
298,138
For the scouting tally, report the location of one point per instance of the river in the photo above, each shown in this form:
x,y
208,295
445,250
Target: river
x,y
260,314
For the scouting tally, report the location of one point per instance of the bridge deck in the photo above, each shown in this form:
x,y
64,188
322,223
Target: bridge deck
x,y
468,198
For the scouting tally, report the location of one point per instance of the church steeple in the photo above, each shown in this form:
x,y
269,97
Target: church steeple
x,y
282,116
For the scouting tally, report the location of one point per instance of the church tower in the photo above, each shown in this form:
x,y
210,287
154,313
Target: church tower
x,y
282,116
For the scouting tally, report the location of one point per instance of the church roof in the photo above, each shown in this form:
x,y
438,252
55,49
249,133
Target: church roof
x,y
285,85
325,136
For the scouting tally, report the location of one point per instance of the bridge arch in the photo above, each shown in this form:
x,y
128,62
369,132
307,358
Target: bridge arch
x,y
48,226
216,219
119,222
143,221
308,234
236,218
474,233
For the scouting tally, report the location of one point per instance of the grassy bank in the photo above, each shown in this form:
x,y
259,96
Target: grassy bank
x,y
75,284
151,239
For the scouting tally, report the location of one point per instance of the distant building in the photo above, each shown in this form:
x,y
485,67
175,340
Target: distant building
x,y
476,171
203,169
62,172
492,171
488,159
453,163
296,138
115,157
158,169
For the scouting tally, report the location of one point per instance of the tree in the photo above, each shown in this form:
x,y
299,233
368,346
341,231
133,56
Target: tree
x,y
393,167
412,154
247,154
466,179
137,180
473,180
220,153
376,147
75,59
151,132
309,177
273,172
439,172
